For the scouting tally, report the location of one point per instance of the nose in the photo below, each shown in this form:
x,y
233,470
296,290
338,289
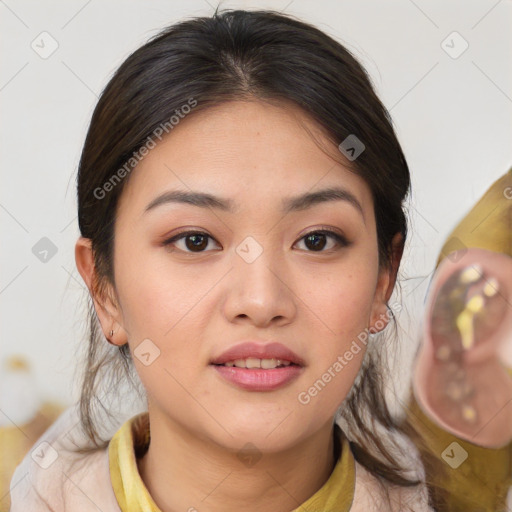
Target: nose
x,y
260,292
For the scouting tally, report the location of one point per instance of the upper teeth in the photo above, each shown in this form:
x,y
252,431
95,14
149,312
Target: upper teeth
x,y
254,362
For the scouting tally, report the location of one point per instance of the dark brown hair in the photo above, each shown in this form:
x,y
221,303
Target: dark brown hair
x,y
237,55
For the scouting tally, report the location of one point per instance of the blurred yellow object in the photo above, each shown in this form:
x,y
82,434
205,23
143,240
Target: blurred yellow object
x,y
16,439
17,363
489,223
484,481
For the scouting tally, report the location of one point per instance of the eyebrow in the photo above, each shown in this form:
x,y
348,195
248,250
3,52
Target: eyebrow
x,y
290,204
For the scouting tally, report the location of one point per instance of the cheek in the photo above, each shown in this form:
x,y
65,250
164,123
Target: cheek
x,y
341,304
154,301
343,299
344,309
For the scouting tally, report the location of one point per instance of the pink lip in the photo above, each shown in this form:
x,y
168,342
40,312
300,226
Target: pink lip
x,y
255,379
261,351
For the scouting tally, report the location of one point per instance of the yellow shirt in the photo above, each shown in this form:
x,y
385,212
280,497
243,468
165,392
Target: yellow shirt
x,y
482,481
132,439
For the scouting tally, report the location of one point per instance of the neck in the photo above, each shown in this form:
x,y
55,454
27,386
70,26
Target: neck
x,y
184,472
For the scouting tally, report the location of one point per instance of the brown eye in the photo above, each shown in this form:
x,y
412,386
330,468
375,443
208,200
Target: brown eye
x,y
194,241
316,241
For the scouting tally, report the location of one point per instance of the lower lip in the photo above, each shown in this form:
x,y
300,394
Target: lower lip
x,y
254,379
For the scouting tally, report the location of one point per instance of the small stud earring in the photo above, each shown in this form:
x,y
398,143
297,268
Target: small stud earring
x,y
111,333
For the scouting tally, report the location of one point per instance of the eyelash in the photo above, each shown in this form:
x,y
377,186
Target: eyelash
x,y
340,239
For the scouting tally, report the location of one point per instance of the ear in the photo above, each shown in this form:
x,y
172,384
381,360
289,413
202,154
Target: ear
x,y
108,311
385,285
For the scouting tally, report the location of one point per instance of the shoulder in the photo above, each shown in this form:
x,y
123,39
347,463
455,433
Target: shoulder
x,y
53,476
370,495
373,494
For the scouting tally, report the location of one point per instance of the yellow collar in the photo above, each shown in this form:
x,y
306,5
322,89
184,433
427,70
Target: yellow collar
x,y
132,439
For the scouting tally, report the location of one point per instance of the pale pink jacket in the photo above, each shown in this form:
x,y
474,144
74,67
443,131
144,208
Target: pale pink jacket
x,y
81,483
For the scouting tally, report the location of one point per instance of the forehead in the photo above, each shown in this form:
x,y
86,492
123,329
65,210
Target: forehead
x,y
249,151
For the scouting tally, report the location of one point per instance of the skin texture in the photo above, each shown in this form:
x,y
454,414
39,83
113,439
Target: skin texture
x,y
194,305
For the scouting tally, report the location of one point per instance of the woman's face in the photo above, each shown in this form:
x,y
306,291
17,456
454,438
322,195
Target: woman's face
x,y
251,274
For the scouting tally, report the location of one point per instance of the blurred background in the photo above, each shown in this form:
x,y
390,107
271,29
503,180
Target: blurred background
x,y
439,66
